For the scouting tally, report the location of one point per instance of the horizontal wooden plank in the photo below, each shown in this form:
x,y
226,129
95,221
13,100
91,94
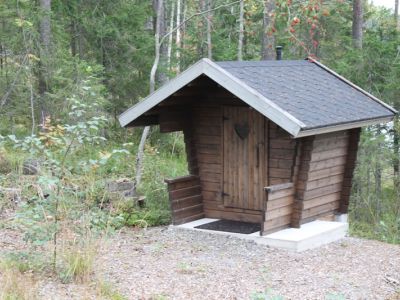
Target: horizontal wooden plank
x,y
321,200
281,163
280,173
313,184
327,163
210,176
211,186
281,153
282,144
186,202
189,219
326,172
277,222
188,211
208,167
182,179
280,202
209,158
279,212
318,156
278,187
318,210
185,192
211,196
207,149
216,214
218,205
280,194
208,140
330,189
208,130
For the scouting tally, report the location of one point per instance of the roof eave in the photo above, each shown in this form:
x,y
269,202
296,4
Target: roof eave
x,y
345,126
352,84
234,85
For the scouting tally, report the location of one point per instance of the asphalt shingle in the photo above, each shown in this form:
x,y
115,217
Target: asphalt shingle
x,y
311,94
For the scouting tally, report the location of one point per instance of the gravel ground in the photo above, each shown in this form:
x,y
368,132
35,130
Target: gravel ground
x,y
172,263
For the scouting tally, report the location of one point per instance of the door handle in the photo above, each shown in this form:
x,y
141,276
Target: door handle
x,y
258,156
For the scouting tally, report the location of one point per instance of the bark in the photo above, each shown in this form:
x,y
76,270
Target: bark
x,y
146,130
178,35
201,31
357,27
162,30
44,53
209,42
171,25
241,31
268,39
396,154
396,14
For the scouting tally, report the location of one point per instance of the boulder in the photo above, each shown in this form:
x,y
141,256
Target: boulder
x,y
31,167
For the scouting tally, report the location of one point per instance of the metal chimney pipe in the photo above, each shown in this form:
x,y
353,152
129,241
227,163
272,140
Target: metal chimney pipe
x,y
279,52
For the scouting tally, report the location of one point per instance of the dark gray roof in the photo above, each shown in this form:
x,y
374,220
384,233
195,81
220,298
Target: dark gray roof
x,y
310,93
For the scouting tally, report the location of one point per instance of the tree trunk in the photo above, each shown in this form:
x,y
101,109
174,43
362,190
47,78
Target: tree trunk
x,y
209,42
45,40
146,130
396,14
357,28
178,35
171,26
268,39
396,154
241,31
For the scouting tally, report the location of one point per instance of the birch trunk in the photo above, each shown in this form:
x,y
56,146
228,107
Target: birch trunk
x,y
241,31
171,26
146,130
45,40
396,14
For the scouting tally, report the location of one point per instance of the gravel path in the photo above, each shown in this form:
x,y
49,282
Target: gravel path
x,y
165,263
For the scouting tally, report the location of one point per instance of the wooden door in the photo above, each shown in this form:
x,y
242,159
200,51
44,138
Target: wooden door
x,y
243,158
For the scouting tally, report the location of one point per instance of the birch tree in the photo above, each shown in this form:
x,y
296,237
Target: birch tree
x,y
241,30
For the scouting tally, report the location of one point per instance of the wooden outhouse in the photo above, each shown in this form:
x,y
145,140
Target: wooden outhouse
x,y
269,142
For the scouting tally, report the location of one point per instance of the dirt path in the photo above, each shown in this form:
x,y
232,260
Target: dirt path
x,y
163,263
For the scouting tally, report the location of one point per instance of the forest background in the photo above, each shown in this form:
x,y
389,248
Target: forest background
x,y
69,68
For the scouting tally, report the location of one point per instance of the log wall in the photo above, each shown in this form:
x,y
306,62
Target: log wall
x,y
185,199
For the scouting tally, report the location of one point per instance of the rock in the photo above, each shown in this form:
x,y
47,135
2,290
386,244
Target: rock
x,y
31,167
120,185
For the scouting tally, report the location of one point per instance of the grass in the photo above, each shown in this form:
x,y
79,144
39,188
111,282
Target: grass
x,y
15,285
107,291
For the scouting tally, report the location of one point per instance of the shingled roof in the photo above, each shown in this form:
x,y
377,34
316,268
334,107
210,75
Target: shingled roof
x,y
304,97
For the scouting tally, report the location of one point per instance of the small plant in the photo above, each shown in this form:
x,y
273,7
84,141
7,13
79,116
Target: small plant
x,y
15,285
267,295
106,290
78,263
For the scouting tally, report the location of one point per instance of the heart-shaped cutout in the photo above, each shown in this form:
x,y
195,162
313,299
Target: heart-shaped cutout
x,y
242,130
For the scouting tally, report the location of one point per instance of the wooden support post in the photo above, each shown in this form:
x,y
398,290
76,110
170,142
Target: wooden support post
x,y
354,138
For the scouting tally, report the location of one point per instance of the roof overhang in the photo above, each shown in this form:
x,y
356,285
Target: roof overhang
x,y
248,95
227,81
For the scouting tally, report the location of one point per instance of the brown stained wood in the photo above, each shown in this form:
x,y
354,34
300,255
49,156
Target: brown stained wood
x,y
216,205
305,148
280,193
280,202
208,130
328,163
275,224
210,186
322,200
243,150
278,212
333,179
188,211
209,158
354,138
280,172
212,196
339,169
189,219
318,210
335,152
186,202
182,182
185,192
322,191
233,216
274,188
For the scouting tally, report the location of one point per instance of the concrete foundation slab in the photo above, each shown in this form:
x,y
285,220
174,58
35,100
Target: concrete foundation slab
x,y
308,236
